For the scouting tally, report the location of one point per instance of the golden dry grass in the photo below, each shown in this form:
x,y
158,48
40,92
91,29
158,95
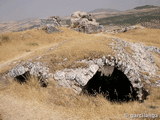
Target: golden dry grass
x,y
26,41
66,44
150,37
81,46
59,103
68,105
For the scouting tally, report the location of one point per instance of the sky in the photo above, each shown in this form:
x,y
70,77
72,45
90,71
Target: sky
x,y
21,9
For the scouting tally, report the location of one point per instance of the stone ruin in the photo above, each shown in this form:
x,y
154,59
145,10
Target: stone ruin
x,y
25,70
50,24
84,22
119,78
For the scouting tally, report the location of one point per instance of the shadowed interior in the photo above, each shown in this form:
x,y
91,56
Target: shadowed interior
x,y
23,78
26,76
114,85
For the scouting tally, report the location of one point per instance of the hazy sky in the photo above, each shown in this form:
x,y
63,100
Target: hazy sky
x,y
21,9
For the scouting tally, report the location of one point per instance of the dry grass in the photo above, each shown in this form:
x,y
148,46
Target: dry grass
x,y
68,105
79,46
22,42
30,101
150,37
67,44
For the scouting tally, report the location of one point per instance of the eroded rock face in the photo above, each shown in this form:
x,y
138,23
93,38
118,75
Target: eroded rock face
x,y
84,22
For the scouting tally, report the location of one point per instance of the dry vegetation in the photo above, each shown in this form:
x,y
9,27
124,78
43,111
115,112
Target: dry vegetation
x,y
22,42
29,101
53,47
61,103
150,37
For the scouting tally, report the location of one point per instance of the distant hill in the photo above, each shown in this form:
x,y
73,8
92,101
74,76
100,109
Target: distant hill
x,y
103,10
148,17
145,7
20,25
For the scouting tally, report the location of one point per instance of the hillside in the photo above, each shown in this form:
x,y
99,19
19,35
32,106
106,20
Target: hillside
x,y
60,51
103,10
148,17
146,6
76,69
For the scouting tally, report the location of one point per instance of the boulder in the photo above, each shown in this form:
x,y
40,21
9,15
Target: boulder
x,y
84,22
54,21
50,24
50,29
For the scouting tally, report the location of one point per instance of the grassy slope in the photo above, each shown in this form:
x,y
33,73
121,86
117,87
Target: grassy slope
x,y
146,36
61,103
71,44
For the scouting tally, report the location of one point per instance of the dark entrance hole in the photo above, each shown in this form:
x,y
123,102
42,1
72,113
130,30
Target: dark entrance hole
x,y
23,78
26,76
112,83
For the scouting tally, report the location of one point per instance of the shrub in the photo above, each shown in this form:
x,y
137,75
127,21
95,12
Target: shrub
x,y
3,39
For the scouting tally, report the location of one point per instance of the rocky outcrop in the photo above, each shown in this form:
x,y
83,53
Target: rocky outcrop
x,y
50,25
84,22
50,29
54,20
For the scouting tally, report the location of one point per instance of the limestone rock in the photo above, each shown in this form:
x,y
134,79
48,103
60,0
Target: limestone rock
x,y
50,24
54,21
36,69
50,29
84,22
132,65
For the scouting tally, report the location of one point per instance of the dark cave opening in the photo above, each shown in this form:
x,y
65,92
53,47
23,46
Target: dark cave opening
x,y
26,76
111,83
23,78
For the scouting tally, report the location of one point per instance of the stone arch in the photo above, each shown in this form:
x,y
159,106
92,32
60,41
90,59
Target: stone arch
x,y
106,69
112,83
24,71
